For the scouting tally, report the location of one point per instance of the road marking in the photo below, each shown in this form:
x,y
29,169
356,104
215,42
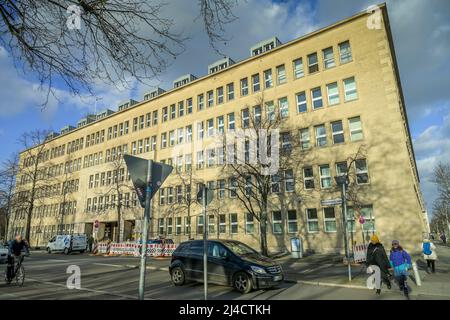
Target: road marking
x,y
86,289
109,265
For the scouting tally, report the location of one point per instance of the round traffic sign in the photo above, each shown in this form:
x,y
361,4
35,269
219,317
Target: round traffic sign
x,y
362,220
96,223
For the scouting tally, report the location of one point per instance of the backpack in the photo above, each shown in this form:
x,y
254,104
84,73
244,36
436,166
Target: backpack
x,y
427,248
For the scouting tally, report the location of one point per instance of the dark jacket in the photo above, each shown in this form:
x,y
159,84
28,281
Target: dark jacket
x,y
15,248
376,255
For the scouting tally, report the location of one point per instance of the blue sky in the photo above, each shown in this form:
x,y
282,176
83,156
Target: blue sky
x,y
421,32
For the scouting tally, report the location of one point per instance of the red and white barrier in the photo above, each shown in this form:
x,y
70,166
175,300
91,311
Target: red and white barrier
x,y
360,252
134,249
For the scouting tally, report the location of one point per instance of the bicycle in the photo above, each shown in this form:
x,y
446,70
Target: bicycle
x,y
18,271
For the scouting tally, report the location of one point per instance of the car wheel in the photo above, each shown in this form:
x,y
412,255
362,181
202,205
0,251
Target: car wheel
x,y
20,276
49,250
178,276
242,282
66,250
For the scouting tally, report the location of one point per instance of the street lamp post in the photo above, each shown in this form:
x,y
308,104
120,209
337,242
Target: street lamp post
x,y
342,181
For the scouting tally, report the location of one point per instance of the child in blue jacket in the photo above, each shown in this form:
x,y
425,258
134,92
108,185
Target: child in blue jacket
x,y
400,260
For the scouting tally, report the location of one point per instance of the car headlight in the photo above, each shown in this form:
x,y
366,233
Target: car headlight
x,y
257,269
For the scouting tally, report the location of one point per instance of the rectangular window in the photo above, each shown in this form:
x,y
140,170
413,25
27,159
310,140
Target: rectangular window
x,y
244,87
275,183
355,129
230,91
298,68
220,124
362,173
233,187
172,138
187,225
367,213
200,224
233,223
350,89
231,123
333,93
270,110
255,83
292,221
164,140
345,52
257,114
321,136
268,83
249,223
211,224
313,63
284,107
162,197
200,160
165,112
312,220
329,219
341,168
169,226
173,111
316,97
277,222
181,108
281,74
286,142
178,226
219,95
200,102
188,133
221,189
210,154
200,130
325,176
135,124
289,182
301,102
210,95
153,143
188,162
305,139
245,118
210,127
148,120
222,223
328,58
337,132
141,122
180,135
351,219
155,119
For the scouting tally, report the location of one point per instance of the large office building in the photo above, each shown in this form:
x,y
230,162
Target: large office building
x,y
339,92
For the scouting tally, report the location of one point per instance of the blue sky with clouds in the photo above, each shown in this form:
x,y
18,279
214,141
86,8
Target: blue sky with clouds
x,y
421,31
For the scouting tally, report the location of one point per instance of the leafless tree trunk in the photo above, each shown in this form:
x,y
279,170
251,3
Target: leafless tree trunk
x,y
8,177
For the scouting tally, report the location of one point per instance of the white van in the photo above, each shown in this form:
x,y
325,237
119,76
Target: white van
x,y
67,243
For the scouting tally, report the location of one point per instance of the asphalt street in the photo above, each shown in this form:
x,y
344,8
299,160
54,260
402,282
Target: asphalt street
x,y
117,278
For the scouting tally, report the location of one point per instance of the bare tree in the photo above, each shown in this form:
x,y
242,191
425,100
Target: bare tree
x,y
8,177
33,178
251,181
441,177
80,42
120,184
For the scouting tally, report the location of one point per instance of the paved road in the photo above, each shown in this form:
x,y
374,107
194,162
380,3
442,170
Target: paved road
x,y
114,278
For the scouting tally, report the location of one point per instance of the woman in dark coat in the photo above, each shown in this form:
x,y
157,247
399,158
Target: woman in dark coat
x,y
376,255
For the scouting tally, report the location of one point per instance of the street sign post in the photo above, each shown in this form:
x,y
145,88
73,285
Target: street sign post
x,y
205,196
147,177
331,202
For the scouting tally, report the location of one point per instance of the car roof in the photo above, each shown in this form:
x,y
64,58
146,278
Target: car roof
x,y
223,241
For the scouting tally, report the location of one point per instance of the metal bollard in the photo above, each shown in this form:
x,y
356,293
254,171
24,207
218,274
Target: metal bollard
x,y
416,274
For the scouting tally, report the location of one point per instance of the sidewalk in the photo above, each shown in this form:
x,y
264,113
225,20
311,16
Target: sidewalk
x,y
328,270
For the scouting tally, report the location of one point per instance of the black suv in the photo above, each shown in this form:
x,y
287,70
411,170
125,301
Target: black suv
x,y
229,263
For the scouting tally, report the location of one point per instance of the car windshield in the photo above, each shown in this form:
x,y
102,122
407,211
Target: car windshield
x,y
240,249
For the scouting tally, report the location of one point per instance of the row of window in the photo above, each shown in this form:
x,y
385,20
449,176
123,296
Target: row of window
x,y
107,178
106,202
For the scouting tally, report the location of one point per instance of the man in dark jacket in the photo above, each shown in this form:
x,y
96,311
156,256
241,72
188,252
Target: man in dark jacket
x,y
376,255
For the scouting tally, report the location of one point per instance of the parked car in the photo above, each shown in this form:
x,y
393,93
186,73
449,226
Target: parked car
x,y
67,243
3,253
230,263
157,241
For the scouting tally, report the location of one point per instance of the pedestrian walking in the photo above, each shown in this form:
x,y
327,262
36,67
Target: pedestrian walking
x,y
90,242
429,254
376,255
443,238
400,260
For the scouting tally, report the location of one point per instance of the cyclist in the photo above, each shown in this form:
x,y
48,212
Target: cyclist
x,y
15,248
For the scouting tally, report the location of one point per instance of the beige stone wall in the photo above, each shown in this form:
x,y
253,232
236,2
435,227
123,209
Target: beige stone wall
x,y
393,190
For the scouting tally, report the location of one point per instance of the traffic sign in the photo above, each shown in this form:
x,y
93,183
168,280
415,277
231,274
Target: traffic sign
x,y
138,168
362,220
209,195
331,202
96,224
